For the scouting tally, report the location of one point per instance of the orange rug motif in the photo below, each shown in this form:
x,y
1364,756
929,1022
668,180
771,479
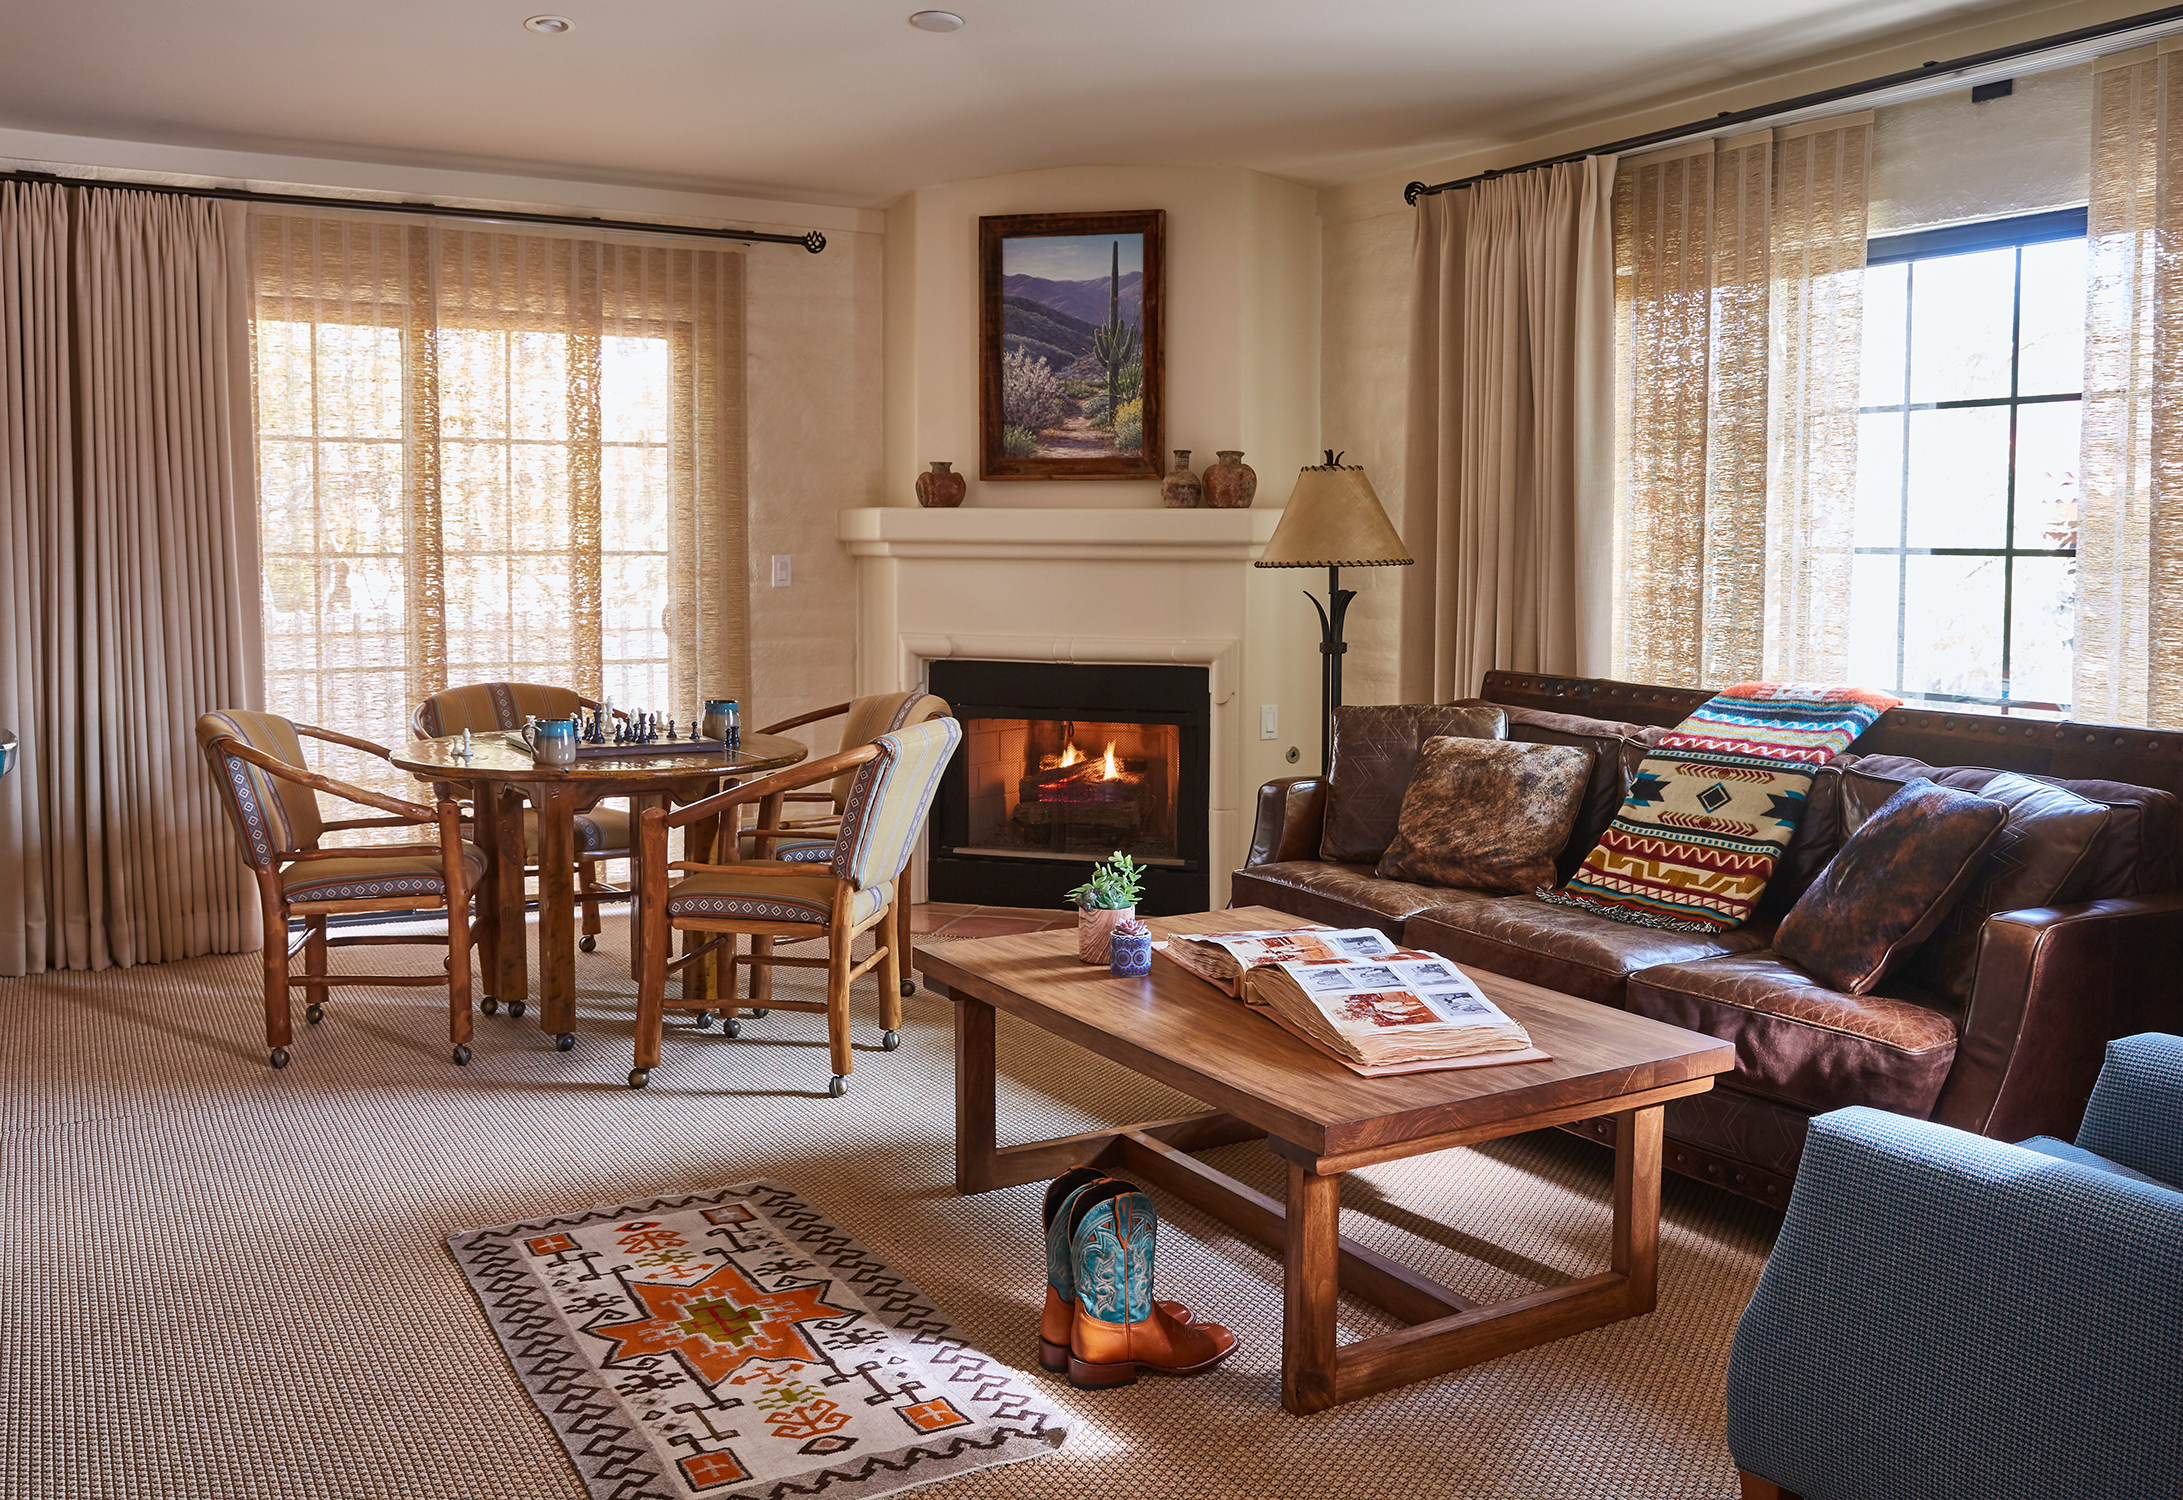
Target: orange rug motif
x,y
735,1345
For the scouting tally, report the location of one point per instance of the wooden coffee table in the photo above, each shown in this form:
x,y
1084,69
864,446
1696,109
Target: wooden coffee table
x,y
1325,1120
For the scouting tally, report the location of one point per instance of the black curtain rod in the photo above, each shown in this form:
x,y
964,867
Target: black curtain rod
x,y
813,242
1729,117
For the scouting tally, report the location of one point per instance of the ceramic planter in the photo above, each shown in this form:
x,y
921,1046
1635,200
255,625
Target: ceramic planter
x,y
1095,931
941,488
1130,951
1231,483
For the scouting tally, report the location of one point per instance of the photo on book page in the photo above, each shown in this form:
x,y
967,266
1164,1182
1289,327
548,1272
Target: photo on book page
x,y
1410,1008
1222,957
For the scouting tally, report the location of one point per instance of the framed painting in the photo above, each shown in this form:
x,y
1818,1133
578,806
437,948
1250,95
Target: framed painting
x,y
1069,350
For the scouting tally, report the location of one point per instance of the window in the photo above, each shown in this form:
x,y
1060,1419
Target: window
x,y
1964,580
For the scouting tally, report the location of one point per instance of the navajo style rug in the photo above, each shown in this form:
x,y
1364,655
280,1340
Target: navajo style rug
x,y
735,1345
1713,805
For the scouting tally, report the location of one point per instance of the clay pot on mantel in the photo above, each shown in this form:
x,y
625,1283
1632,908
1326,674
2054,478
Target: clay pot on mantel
x,y
1231,483
1180,490
941,488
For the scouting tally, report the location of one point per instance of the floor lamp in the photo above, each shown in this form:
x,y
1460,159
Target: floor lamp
x,y
1333,521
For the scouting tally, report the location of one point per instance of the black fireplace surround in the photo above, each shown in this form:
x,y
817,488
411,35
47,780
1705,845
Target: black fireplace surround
x,y
1062,764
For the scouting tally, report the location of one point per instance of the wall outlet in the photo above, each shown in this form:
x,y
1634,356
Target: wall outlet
x,y
780,570
1269,721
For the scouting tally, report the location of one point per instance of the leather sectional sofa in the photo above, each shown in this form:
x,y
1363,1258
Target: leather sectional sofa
x,y
1997,1025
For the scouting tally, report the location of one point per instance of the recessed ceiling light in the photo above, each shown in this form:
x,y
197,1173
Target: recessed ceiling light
x,y
937,20
549,25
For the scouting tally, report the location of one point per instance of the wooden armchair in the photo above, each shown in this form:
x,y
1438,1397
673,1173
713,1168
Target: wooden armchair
x,y
602,833
892,782
271,798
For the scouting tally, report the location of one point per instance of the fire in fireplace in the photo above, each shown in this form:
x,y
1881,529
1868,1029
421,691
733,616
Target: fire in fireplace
x,y
1063,765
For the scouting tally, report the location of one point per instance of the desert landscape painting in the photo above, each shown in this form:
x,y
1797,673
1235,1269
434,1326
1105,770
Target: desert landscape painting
x,y
1070,343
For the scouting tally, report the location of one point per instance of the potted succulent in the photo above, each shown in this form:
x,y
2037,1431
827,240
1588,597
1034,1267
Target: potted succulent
x,y
1108,898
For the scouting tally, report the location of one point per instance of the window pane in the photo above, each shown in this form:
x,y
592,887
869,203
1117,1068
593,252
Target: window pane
x,y
2046,474
1886,288
2042,629
1952,626
2051,360
473,371
1962,312
1959,475
359,381
1873,582
1879,521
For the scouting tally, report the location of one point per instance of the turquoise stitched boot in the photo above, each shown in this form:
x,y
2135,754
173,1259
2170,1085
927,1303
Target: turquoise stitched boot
x,y
1059,1315
1120,1330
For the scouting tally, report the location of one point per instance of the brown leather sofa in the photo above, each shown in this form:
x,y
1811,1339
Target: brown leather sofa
x,y
1997,1025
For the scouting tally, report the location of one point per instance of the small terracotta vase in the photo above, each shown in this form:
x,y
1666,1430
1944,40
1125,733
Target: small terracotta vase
x,y
1230,484
941,488
1180,490
1095,931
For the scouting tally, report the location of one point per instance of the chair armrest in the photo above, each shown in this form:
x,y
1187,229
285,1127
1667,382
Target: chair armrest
x,y
335,737
826,768
1290,812
1947,1315
2053,985
2136,1113
800,720
407,812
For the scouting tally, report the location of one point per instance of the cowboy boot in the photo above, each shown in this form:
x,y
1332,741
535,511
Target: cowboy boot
x,y
1058,1317
1120,1331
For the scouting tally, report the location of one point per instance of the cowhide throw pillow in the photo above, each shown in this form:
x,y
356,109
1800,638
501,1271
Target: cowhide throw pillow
x,y
1486,815
1376,746
1890,885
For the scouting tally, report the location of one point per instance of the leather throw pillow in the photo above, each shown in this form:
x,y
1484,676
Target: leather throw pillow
x,y
1486,815
1890,885
1376,746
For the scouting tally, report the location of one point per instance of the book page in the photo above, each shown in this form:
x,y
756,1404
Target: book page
x,y
1408,989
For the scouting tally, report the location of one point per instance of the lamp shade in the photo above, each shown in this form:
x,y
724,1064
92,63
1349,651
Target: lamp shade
x,y
1333,520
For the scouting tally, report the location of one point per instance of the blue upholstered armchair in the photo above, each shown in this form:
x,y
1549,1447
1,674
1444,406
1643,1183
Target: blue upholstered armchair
x,y
1952,1318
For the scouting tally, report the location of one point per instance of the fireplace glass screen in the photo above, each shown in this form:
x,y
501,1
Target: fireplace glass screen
x,y
1072,789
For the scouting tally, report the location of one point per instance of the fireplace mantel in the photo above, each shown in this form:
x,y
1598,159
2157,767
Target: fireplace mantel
x,y
1116,535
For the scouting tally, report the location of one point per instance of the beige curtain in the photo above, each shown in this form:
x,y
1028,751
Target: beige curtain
x,y
2129,638
494,456
1737,333
125,479
1507,502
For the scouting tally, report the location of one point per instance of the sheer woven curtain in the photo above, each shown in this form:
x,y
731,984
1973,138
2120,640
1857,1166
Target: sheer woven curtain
x,y
2129,639
1507,502
125,568
1738,315
493,456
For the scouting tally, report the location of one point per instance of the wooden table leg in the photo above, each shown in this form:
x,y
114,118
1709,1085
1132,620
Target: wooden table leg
x,y
699,842
556,911
500,806
638,802
1637,1205
1310,1282
975,1109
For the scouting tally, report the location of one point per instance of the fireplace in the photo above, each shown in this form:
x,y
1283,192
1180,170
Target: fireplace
x,y
1060,766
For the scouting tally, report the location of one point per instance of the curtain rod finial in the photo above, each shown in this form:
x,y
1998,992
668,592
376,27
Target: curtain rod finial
x,y
1410,193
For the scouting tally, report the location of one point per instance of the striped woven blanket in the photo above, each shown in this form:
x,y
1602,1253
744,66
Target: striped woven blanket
x,y
1713,805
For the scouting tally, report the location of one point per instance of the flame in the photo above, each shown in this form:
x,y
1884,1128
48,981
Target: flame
x,y
1109,773
1071,755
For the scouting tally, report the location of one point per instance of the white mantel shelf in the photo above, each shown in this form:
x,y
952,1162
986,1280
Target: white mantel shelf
x,y
995,533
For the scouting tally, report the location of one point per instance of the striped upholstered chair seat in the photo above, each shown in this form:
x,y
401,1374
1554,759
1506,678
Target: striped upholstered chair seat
x,y
770,898
366,878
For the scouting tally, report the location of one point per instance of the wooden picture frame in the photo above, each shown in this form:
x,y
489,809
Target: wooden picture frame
x,y
1112,388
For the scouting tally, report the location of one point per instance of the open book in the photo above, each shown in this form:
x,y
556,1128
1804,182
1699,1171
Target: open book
x,y
1352,994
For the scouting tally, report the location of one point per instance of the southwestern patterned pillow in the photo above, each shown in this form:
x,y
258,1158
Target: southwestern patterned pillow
x,y
1888,887
1486,815
1376,746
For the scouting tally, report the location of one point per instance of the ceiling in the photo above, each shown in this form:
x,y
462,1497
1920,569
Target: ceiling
x,y
842,101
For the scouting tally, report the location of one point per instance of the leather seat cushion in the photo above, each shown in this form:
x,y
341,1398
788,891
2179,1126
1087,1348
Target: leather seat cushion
x,y
728,894
365,878
1805,1044
1577,952
1341,895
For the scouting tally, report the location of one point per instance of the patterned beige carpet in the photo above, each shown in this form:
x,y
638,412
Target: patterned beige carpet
x,y
222,1281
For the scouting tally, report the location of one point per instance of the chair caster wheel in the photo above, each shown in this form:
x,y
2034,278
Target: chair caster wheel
x,y
588,943
491,1006
639,1077
462,1054
838,1087
890,1041
565,1042
734,1027
278,1057
315,1014
760,1010
515,1012
909,988
703,1020
446,962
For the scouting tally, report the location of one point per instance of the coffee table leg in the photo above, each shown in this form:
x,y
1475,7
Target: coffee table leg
x,y
1311,1280
1637,1205
975,1111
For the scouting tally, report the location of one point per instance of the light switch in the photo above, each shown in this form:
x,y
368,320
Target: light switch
x,y
1269,721
780,570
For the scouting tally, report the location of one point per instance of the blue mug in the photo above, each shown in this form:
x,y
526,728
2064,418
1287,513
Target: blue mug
x,y
1129,954
723,720
552,742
